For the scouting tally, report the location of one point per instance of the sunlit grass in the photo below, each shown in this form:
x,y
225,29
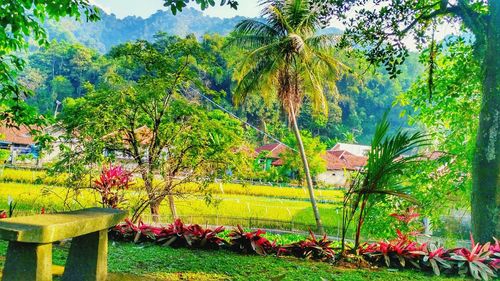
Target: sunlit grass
x,y
225,209
41,177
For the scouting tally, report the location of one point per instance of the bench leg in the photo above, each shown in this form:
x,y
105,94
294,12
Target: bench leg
x,y
88,258
28,261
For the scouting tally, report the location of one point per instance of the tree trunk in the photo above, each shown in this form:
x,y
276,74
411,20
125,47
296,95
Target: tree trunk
x,y
154,203
486,171
171,204
307,173
154,206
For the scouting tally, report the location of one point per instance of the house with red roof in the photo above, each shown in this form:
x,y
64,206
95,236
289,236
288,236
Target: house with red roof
x,y
340,165
270,155
17,140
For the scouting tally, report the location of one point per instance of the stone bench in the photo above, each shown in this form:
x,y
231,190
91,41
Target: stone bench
x,y
29,254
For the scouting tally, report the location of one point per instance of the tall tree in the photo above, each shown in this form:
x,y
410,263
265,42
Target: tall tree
x,y
381,31
288,59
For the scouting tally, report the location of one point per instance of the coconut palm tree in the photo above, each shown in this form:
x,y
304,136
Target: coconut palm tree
x,y
286,59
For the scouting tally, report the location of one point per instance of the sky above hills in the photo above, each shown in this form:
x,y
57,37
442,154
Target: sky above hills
x,y
246,8
144,8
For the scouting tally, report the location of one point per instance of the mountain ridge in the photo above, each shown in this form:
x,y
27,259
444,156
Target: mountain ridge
x,y
111,31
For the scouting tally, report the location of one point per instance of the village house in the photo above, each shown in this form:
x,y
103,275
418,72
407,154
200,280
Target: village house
x,y
340,165
341,161
270,155
17,141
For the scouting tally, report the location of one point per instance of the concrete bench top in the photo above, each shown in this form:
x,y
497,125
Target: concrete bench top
x,y
48,228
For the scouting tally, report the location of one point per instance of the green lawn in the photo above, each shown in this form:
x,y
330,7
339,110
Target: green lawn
x,y
128,261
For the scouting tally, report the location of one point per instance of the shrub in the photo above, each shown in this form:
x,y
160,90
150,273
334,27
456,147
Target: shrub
x,y
311,248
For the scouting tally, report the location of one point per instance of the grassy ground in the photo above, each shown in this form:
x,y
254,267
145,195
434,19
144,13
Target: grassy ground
x,y
128,261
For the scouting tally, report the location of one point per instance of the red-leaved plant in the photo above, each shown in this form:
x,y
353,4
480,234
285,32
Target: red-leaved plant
x,y
111,184
250,242
474,261
436,259
175,235
311,248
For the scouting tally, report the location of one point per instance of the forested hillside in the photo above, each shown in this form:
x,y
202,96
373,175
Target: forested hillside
x,y
79,58
111,31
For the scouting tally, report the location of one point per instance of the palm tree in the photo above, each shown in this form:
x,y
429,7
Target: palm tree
x,y
381,175
286,59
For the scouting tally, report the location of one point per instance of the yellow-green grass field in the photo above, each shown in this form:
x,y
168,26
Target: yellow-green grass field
x,y
225,209
41,177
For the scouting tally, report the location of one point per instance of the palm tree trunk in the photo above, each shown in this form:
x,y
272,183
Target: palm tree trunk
x,y
309,182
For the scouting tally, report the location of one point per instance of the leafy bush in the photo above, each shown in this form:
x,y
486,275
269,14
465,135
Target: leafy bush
x,y
250,242
311,248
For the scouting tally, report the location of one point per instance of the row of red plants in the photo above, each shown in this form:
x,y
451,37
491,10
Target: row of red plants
x,y
480,261
194,236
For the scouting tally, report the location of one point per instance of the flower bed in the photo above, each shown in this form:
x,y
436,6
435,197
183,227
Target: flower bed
x,y
480,262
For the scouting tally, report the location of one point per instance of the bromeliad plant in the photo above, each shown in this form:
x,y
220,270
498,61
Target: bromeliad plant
x,y
111,185
475,261
435,257
174,235
250,242
311,248
481,261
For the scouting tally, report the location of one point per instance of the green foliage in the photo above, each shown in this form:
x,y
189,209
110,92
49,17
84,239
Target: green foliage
x,y
19,21
314,150
451,116
178,5
388,159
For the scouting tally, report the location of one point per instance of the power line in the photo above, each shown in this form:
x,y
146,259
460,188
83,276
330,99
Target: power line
x,y
243,121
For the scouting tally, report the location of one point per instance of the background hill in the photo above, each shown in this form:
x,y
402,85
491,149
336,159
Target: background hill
x,y
111,31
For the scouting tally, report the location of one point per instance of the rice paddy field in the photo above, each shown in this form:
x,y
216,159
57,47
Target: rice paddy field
x,y
284,208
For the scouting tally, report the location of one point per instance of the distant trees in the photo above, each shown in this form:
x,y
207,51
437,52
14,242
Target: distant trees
x,y
19,21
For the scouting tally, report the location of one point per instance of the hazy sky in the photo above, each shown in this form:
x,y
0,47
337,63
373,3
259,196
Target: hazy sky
x,y
247,8
144,8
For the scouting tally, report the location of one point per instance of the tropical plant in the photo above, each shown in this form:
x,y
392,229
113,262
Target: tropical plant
x,y
250,242
311,248
435,258
474,260
111,184
387,160
288,60
176,234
